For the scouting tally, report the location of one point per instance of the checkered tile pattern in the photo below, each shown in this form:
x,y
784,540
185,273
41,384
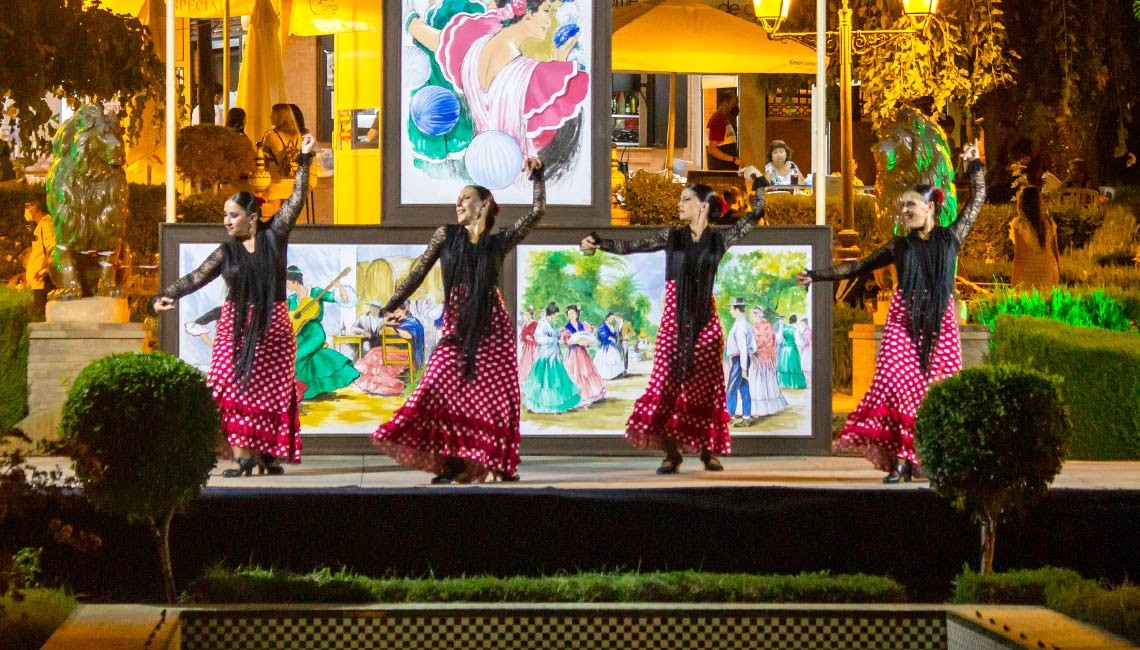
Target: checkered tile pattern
x,y
506,630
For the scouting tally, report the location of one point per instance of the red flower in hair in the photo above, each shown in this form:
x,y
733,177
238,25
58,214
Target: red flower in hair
x,y
259,198
938,196
723,204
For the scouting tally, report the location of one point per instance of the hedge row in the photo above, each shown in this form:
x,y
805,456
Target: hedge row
x,y
1101,372
1113,610
1109,308
15,308
255,585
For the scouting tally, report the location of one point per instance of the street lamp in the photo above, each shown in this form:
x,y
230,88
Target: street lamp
x,y
845,42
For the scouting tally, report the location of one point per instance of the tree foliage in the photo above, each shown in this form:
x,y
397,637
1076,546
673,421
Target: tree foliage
x,y
567,277
62,48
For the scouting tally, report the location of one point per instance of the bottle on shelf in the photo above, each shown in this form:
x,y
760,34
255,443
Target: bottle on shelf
x,y
633,104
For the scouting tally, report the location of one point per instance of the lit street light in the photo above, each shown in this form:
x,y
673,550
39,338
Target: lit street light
x,y
845,42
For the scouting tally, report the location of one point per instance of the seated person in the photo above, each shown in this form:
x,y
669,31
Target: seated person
x,y
780,170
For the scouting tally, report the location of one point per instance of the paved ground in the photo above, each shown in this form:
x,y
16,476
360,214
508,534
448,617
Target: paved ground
x,y
576,472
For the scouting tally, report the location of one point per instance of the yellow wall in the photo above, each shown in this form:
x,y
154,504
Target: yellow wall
x,y
357,85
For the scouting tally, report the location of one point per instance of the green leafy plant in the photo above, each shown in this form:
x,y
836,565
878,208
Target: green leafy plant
x,y
1096,307
651,198
991,439
78,51
256,585
204,207
142,431
208,154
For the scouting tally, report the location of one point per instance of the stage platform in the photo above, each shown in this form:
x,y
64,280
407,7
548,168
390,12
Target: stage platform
x,y
373,472
761,515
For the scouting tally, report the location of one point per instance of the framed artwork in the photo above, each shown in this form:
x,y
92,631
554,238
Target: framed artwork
x,y
355,374
597,317
461,108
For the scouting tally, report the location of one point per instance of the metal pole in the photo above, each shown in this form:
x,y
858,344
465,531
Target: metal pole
x,y
171,113
226,62
848,238
819,115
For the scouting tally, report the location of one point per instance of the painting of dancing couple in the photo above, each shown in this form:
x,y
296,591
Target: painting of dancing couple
x,y
587,327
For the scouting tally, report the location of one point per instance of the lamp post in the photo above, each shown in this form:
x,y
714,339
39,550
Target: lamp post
x,y
844,42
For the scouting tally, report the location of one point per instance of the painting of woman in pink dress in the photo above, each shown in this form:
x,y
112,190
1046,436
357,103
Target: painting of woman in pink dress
x,y
528,345
520,105
579,364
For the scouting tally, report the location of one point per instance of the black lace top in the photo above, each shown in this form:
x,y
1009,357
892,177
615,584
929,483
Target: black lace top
x,y
232,261
474,267
254,280
924,267
692,265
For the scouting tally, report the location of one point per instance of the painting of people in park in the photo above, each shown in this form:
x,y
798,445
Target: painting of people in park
x,y
485,85
354,365
587,329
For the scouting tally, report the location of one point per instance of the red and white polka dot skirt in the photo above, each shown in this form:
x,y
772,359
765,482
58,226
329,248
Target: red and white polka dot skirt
x,y
448,416
263,415
693,413
882,426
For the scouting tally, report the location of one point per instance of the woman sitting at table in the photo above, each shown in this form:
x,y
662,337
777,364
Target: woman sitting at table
x,y
780,168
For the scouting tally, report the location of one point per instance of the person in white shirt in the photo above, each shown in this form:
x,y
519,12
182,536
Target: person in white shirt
x,y
219,113
739,347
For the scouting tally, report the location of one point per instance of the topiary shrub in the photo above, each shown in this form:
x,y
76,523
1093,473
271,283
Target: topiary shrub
x,y
142,431
207,154
992,438
204,207
651,198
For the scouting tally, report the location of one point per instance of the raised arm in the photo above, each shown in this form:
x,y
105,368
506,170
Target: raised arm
x,y
416,276
655,242
517,231
210,268
969,214
745,224
883,256
287,214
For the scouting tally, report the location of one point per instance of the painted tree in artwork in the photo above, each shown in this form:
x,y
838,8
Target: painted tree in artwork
x,y
568,277
762,278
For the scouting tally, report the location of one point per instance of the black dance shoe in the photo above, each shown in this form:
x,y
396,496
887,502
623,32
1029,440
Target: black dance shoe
x,y
671,463
268,465
504,477
904,472
710,462
452,468
244,468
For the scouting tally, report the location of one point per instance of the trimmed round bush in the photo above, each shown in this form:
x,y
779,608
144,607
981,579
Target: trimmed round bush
x,y
991,439
144,431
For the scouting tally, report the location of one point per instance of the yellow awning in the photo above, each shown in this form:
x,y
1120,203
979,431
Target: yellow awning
x,y
317,18
688,37
185,8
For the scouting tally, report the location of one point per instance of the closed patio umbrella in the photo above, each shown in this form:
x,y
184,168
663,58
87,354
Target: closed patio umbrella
x,y
261,83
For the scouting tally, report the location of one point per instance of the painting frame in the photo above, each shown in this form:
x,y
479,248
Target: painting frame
x,y
398,213
173,236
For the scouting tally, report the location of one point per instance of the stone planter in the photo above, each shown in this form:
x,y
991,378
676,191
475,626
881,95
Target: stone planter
x,y
865,341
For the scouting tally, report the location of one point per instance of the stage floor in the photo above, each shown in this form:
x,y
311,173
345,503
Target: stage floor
x,y
634,472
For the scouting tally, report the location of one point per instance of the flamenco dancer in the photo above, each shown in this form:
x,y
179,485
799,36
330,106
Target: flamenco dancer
x,y
462,421
920,344
251,365
683,410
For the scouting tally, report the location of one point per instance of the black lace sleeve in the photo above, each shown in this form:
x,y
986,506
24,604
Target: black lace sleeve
x,y
884,256
416,276
655,242
517,231
745,224
210,268
290,209
969,214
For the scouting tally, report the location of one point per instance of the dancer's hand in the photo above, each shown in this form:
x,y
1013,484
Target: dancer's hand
x,y
970,152
588,246
164,304
307,143
803,279
749,173
531,164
